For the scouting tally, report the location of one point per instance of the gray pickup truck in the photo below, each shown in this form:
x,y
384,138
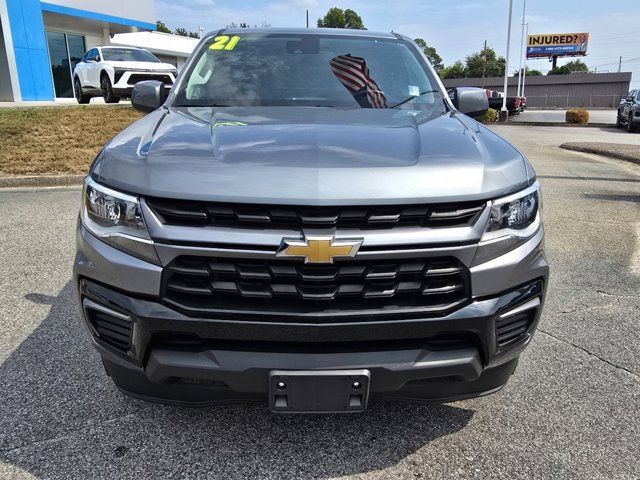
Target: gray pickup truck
x,y
308,220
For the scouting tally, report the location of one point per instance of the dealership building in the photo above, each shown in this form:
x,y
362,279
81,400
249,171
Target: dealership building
x,y
40,42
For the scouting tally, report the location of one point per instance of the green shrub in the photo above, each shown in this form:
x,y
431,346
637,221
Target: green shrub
x,y
578,116
490,116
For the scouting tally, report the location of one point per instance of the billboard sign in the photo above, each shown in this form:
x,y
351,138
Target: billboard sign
x,y
557,44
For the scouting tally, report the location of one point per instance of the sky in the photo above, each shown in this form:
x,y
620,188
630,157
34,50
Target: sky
x,y
456,28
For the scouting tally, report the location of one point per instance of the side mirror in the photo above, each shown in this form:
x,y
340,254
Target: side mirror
x,y
470,101
148,95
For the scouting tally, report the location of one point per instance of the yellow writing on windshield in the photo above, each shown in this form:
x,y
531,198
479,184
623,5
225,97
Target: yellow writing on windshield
x,y
224,42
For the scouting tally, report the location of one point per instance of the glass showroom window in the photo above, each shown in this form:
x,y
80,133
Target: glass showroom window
x,y
65,50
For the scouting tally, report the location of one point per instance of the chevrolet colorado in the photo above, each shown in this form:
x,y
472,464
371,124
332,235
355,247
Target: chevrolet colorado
x,y
308,220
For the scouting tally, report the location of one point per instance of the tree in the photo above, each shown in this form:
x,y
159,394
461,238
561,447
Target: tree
x,y
487,60
161,27
431,54
241,25
338,18
183,32
529,73
353,20
571,67
457,70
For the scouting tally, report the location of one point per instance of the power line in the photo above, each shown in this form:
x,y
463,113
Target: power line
x,y
616,62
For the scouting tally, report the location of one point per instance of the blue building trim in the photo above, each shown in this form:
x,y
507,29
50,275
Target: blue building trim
x,y
30,50
76,12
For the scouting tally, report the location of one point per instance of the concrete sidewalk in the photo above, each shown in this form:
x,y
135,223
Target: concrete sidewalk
x,y
60,102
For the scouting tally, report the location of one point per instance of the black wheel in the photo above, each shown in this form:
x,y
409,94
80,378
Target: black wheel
x,y
618,121
107,90
80,97
631,128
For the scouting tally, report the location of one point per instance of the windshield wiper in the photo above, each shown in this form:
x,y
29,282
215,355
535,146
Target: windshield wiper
x,y
408,99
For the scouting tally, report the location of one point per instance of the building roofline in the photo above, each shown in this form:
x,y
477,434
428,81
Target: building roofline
x,y
101,17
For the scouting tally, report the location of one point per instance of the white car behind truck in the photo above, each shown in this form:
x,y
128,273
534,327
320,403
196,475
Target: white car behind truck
x,y
111,72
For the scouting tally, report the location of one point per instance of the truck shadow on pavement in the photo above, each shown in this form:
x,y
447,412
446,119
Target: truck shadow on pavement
x,y
61,417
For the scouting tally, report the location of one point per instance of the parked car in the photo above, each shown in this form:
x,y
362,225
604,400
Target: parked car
x,y
111,72
310,224
629,112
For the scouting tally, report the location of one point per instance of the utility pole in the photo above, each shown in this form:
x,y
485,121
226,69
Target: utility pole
x,y
620,65
504,113
484,62
520,73
524,77
307,18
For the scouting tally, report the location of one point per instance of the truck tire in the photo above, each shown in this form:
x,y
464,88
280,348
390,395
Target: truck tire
x,y
631,128
618,120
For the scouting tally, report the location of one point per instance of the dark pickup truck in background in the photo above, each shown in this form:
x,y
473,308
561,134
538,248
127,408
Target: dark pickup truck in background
x,y
629,112
515,105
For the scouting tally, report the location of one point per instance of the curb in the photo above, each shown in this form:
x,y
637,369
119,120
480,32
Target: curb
x,y
42,181
557,124
600,151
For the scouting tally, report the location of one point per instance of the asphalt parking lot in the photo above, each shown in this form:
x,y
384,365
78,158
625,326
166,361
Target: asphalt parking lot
x,y
570,411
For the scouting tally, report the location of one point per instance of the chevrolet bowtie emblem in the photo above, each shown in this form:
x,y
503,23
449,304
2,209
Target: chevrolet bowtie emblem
x,y
318,249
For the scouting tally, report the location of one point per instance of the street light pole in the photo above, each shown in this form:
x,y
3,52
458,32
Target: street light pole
x,y
524,77
504,113
524,9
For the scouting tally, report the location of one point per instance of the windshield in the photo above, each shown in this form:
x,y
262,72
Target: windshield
x,y
257,69
128,55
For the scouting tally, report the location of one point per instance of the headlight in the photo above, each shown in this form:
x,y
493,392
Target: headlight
x,y
512,221
516,214
116,218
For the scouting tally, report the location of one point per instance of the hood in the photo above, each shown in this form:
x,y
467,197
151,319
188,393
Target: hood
x,y
310,155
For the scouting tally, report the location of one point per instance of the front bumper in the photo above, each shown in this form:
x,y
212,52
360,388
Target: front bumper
x,y
124,83
176,358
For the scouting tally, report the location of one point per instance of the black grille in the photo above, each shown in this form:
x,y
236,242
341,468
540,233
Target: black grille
x,y
112,330
512,328
188,213
117,75
287,289
139,77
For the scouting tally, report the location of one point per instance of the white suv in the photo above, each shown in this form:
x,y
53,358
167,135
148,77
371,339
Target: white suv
x,y
111,72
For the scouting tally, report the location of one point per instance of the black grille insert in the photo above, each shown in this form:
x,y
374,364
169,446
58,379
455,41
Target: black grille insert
x,y
513,327
189,213
112,330
139,77
280,290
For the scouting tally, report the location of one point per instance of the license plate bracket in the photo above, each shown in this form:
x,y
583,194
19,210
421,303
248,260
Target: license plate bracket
x,y
318,391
